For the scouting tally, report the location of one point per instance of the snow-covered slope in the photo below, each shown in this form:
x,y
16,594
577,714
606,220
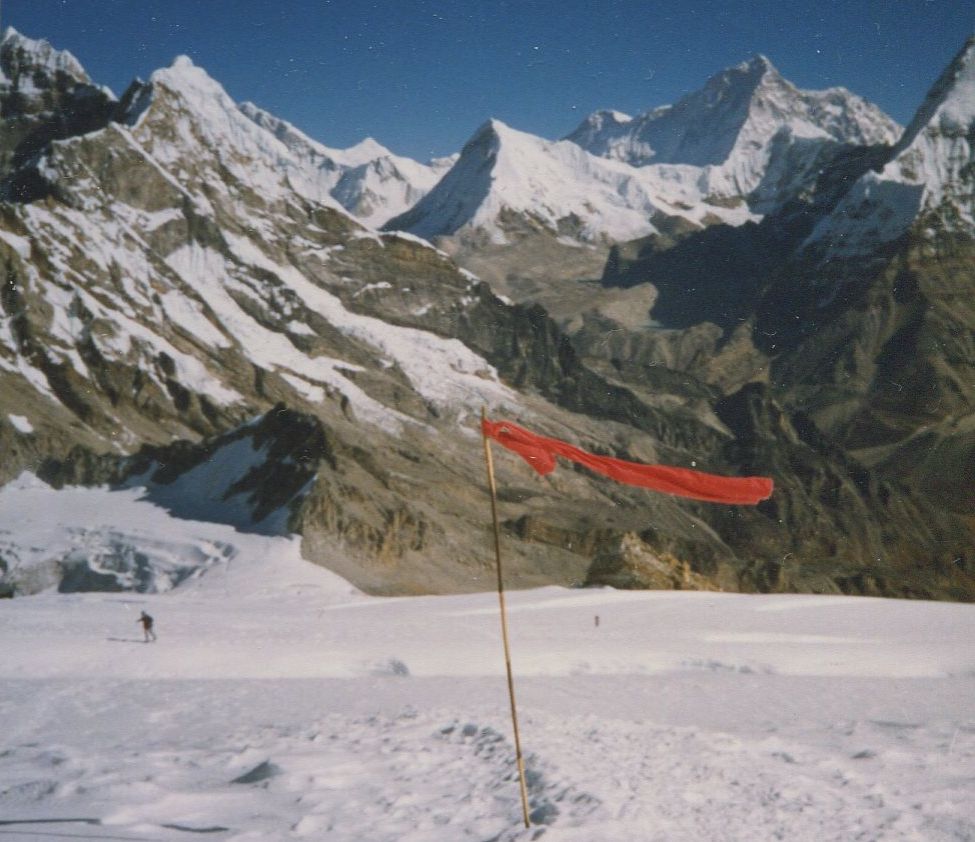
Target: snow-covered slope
x,y
198,111
753,133
368,180
191,227
279,703
931,174
507,180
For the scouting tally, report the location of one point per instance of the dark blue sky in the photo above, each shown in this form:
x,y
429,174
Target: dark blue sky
x,y
421,75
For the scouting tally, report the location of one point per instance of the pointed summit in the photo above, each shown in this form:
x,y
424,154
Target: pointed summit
x,y
741,106
700,129
950,104
490,133
184,76
366,150
758,61
20,56
747,76
757,68
930,174
509,183
756,135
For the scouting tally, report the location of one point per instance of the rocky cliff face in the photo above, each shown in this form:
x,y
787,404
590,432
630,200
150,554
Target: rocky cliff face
x,y
188,308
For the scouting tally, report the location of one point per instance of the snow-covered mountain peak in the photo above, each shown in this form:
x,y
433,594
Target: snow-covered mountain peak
x,y
367,149
19,53
492,131
604,120
930,174
507,180
950,104
746,77
182,109
366,179
754,134
184,75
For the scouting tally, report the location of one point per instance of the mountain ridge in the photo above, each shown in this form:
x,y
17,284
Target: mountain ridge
x,y
926,168
181,283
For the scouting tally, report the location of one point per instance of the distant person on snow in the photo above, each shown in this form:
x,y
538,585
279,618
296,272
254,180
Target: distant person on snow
x,y
146,621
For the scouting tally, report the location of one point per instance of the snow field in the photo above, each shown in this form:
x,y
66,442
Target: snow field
x,y
280,703
408,741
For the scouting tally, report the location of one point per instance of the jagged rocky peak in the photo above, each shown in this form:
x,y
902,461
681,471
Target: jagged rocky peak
x,y
742,81
45,95
950,104
929,178
27,63
750,101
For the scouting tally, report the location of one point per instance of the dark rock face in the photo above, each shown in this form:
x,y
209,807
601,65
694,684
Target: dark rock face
x,y
45,98
859,409
716,274
852,520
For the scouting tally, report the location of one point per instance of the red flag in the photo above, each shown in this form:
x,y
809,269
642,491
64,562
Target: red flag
x,y
540,452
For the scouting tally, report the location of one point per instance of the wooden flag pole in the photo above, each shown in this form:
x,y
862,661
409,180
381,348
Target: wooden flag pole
x,y
504,625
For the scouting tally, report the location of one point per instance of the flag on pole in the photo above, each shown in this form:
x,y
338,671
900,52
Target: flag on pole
x,y
540,452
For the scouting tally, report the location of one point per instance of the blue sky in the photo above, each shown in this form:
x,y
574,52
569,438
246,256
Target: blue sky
x,y
421,75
